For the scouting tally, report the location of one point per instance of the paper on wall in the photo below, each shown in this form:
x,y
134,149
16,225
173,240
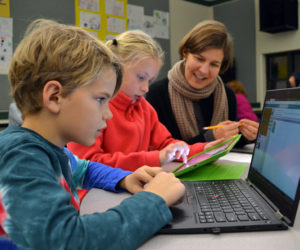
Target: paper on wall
x,y
6,49
135,16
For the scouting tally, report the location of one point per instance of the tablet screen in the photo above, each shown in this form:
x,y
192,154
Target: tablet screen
x,y
206,155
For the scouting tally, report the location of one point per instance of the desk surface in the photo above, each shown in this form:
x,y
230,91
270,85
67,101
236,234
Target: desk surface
x,y
98,200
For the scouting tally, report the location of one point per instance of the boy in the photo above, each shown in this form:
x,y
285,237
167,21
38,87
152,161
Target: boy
x,y
59,75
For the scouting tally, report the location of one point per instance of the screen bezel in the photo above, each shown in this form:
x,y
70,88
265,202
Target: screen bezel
x,y
285,204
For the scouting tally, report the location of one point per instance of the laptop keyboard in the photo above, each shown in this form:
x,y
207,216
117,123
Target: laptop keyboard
x,y
222,201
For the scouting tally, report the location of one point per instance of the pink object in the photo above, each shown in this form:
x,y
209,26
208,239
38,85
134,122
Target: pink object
x,y
244,108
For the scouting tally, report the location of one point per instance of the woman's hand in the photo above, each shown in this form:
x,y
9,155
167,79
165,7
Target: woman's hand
x,y
227,130
249,129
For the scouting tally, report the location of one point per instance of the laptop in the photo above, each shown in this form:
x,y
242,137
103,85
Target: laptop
x,y
268,199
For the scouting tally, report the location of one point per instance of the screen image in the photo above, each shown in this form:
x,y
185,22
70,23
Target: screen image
x,y
277,150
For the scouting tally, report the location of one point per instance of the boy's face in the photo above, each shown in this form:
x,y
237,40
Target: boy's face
x,y
84,112
137,77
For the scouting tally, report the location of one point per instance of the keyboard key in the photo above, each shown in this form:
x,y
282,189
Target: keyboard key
x,y
254,216
243,217
219,216
231,217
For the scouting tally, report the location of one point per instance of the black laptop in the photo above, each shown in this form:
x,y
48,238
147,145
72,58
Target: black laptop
x,y
268,199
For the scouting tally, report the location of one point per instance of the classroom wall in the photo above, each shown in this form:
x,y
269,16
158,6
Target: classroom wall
x,y
25,11
149,6
184,16
239,18
267,43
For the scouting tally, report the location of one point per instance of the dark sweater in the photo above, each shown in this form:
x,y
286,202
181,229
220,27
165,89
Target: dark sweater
x,y
159,98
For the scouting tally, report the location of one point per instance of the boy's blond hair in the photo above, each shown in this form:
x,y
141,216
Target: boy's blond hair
x,y
209,34
53,51
134,46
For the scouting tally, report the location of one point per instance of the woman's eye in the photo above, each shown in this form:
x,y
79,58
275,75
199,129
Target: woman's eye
x,y
215,65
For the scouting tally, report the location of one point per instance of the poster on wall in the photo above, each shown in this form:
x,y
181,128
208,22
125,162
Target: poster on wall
x,y
161,24
135,15
6,49
4,8
102,18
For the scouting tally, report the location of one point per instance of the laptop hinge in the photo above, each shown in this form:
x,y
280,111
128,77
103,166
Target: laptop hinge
x,y
277,213
262,195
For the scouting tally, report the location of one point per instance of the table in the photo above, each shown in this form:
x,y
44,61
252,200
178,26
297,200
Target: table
x,y
98,200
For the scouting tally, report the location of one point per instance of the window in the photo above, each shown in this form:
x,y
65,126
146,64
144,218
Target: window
x,y
279,68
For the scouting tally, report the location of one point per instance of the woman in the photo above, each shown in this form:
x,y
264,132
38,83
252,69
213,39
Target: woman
x,y
194,96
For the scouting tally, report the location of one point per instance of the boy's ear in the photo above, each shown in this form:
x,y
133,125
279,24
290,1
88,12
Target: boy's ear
x,y
52,96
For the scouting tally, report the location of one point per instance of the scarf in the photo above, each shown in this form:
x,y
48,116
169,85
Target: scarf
x,y
182,96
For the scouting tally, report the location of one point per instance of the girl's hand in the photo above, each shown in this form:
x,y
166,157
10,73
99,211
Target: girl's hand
x,y
213,143
173,152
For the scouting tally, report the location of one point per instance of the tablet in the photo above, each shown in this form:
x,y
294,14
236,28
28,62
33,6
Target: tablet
x,y
209,155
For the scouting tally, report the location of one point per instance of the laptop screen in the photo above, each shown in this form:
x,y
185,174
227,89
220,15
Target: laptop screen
x,y
275,165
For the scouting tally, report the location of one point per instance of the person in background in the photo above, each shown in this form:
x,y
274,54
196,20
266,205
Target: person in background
x,y
14,115
294,79
134,136
193,95
59,76
244,109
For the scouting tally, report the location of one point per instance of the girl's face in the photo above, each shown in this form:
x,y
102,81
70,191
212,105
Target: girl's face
x,y
137,77
201,69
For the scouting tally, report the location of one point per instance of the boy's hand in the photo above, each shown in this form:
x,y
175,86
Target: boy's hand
x,y
173,152
135,182
167,186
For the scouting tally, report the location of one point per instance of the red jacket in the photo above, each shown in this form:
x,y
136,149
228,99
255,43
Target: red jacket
x,y
133,137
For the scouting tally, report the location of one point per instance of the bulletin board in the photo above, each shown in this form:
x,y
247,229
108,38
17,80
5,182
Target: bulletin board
x,y
102,18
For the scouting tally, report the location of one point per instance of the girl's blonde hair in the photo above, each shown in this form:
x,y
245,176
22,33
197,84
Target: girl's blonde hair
x,y
205,35
134,46
53,51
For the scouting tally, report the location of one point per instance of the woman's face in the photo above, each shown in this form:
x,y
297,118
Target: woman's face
x,y
201,69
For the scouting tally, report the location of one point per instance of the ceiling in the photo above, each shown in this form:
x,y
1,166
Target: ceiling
x,y
209,2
